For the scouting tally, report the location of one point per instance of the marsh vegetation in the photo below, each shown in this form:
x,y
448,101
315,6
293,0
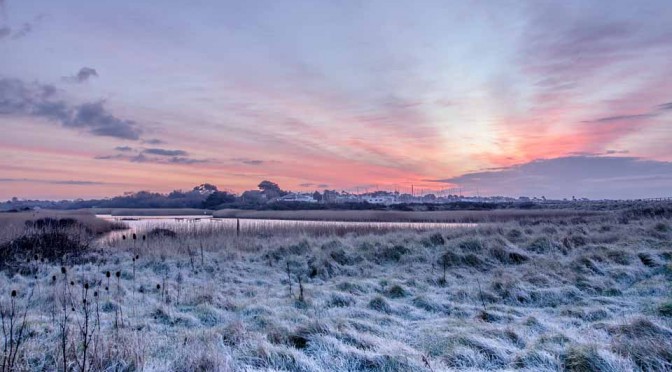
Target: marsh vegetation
x,y
573,292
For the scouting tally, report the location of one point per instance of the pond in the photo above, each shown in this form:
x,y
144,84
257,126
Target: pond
x,y
142,224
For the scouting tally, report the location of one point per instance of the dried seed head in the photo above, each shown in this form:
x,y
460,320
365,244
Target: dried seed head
x,y
13,293
144,237
123,237
137,256
107,288
95,294
73,309
86,285
107,274
35,277
36,258
158,286
53,278
63,270
84,301
72,282
118,274
135,236
133,259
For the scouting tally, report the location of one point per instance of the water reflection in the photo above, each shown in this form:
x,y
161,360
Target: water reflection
x,y
144,224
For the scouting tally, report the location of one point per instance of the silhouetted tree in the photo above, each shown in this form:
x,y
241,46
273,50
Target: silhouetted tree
x,y
252,197
270,189
218,198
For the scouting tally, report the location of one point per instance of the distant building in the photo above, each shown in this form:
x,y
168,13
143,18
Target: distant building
x,y
379,199
347,198
297,197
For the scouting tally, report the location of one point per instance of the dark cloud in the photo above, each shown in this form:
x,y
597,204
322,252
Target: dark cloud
x,y
98,121
123,148
110,157
164,152
248,161
665,106
183,160
581,176
24,30
84,74
153,141
37,100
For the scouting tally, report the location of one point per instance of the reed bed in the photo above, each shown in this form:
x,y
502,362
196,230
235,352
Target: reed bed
x,y
498,215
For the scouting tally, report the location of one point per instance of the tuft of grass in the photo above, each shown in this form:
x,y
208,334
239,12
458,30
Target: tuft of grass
x,y
396,291
380,304
542,245
665,309
340,300
662,227
437,239
393,253
647,259
584,359
645,343
471,245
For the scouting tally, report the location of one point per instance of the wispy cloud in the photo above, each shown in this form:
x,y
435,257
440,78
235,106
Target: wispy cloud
x,y
635,117
165,152
569,55
20,32
57,182
316,185
666,106
163,158
656,111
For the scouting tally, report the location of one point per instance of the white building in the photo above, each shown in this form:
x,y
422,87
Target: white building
x,y
381,199
296,197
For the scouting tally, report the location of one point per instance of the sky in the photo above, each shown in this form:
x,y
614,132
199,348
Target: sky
x,y
560,99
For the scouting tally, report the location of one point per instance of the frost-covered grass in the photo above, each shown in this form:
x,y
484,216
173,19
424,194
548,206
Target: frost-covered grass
x,y
584,295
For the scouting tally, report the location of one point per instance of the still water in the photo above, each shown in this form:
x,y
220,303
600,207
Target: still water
x,y
142,224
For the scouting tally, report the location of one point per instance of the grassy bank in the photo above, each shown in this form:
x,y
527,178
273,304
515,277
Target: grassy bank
x,y
501,215
13,225
573,294
129,212
54,236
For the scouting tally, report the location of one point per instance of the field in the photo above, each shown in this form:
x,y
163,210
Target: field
x,y
572,292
